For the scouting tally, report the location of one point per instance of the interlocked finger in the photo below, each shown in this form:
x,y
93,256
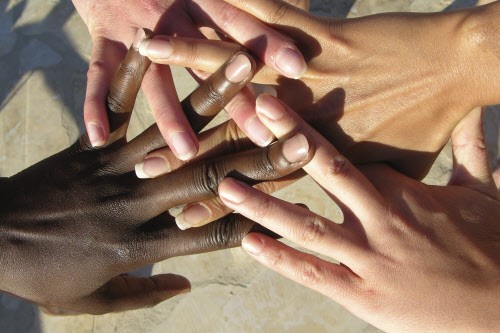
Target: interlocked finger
x,y
200,107
200,180
292,222
123,92
204,212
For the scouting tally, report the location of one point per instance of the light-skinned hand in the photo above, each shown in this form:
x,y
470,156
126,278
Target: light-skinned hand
x,y
413,257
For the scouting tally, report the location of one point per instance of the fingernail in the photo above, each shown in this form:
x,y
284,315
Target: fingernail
x,y
253,244
239,69
96,134
269,107
259,89
258,132
192,216
233,191
296,148
290,63
139,36
156,48
183,145
152,167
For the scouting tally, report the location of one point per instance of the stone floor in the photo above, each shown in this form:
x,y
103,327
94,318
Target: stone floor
x,y
44,52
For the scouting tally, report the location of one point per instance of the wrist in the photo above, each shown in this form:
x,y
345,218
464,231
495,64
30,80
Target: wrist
x,y
479,32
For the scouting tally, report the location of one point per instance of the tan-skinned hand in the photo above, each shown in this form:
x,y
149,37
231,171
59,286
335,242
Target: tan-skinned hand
x,y
388,87
414,258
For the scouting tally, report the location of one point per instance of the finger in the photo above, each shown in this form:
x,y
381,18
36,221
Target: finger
x,y
158,86
292,222
328,167
166,240
124,89
128,292
301,4
199,54
221,140
200,107
200,180
496,177
334,281
105,60
242,110
201,213
470,156
273,48
276,12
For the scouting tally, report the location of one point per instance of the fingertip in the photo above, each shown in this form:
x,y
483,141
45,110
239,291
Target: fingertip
x,y
239,68
96,134
290,63
152,167
139,37
173,283
183,145
296,149
139,171
253,243
192,216
233,192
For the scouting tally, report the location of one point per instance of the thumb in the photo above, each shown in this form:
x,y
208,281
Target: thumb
x,y
126,292
470,157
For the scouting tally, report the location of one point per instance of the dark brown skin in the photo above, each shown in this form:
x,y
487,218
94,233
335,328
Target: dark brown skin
x,y
70,225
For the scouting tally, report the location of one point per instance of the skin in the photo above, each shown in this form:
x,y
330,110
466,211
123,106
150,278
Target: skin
x,y
112,25
413,257
72,224
384,88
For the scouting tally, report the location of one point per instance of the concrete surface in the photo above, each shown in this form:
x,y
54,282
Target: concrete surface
x,y
44,52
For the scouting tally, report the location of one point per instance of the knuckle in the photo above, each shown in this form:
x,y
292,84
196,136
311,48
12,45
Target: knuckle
x,y
275,258
277,13
96,69
229,15
312,274
223,233
262,210
312,230
212,173
338,167
191,53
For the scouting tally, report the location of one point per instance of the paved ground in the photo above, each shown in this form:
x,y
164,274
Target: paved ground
x,y
44,51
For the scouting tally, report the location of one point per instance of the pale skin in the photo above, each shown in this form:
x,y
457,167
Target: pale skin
x,y
413,257
112,25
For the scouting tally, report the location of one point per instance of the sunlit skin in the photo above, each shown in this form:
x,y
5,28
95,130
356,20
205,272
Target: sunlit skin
x,y
387,87
414,258
112,25
72,224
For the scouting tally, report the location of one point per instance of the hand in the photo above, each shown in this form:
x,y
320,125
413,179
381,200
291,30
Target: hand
x,y
388,87
414,258
73,223
112,25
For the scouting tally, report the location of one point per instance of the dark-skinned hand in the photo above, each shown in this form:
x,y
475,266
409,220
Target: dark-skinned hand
x,y
72,224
